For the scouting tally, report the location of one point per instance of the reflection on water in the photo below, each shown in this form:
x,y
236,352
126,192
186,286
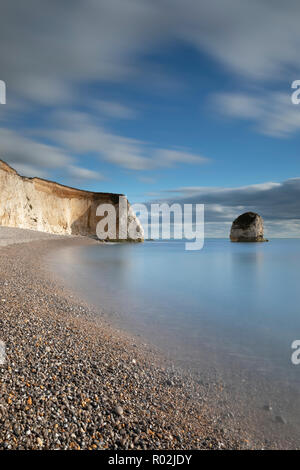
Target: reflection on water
x,y
230,300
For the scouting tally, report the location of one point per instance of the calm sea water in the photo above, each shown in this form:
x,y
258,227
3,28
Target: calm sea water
x,y
228,306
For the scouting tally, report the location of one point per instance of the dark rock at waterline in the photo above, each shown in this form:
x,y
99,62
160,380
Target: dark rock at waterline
x,y
248,227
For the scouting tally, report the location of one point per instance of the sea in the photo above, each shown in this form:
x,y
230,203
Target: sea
x,y
228,313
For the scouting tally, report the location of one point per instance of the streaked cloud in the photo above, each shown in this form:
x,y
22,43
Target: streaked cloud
x,y
52,55
277,203
84,173
171,157
31,171
79,133
17,149
106,40
273,113
146,179
31,158
113,109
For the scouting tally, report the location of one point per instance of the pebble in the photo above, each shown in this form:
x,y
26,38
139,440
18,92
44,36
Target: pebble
x,y
40,442
118,410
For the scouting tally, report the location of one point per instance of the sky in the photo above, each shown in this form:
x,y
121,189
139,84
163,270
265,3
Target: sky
x,y
161,100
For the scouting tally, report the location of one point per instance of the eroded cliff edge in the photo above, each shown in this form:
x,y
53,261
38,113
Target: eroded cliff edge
x,y
46,206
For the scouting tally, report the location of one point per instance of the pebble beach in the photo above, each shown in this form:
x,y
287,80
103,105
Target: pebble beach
x,y
71,380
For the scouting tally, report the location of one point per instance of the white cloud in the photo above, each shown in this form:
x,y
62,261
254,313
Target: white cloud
x,y
273,113
45,90
25,169
146,179
191,191
118,150
84,173
17,149
239,105
47,47
78,133
170,157
256,39
35,159
50,46
116,110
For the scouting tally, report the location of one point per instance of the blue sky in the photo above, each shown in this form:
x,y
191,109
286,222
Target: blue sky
x,y
158,100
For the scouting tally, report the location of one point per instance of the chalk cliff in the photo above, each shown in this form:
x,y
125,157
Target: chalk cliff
x,y
38,204
248,227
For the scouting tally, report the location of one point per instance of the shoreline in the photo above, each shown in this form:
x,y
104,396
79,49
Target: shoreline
x,y
246,393
72,381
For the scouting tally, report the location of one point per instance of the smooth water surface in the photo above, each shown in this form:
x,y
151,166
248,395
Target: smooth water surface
x,y
230,304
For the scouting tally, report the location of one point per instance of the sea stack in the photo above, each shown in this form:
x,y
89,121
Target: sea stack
x,y
248,227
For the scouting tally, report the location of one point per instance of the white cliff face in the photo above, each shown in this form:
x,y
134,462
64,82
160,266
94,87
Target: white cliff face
x,y
248,227
37,204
